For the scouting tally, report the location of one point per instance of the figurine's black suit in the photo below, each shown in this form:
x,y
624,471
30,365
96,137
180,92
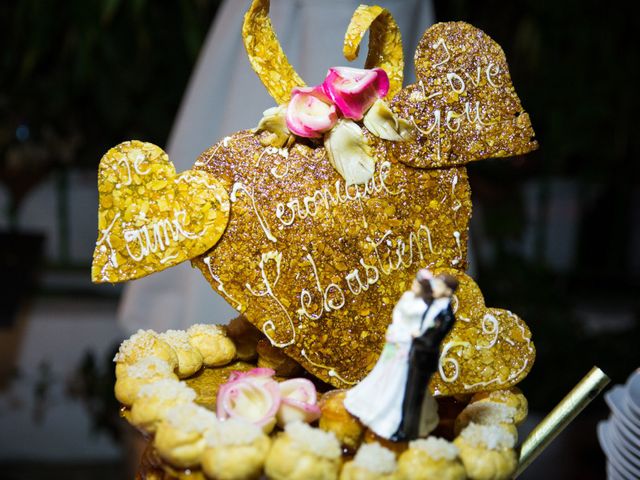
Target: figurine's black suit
x,y
423,363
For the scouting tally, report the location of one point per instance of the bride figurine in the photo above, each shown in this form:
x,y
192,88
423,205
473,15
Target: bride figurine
x,y
393,400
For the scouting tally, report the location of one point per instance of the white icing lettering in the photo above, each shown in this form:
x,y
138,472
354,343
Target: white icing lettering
x,y
454,79
441,43
269,326
239,187
221,289
326,197
163,233
490,326
446,360
492,71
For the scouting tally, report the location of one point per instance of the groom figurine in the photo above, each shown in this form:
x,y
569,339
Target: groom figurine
x,y
424,356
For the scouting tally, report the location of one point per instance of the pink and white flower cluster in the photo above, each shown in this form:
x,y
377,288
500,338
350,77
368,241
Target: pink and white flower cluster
x,y
336,111
346,92
255,396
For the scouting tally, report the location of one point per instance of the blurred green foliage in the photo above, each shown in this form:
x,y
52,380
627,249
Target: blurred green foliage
x,y
79,76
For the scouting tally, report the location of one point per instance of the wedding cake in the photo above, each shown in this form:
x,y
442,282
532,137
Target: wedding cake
x,y
312,225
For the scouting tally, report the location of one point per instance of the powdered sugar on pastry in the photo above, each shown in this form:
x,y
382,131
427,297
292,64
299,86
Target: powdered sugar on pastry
x,y
314,440
176,338
149,367
141,341
233,432
205,329
191,418
489,413
375,458
436,448
492,437
168,389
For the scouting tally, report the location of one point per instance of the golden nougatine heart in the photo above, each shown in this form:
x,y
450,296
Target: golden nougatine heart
x,y
317,266
487,349
149,218
464,105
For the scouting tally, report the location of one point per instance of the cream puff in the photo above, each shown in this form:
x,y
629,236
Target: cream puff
x,y
372,462
304,453
235,450
511,397
335,418
431,458
189,357
487,412
211,340
144,343
155,399
144,371
487,452
180,436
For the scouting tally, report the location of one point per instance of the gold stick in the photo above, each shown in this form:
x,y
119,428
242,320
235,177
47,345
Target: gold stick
x,y
554,423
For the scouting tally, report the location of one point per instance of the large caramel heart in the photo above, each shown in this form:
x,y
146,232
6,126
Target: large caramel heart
x,y
149,218
317,266
487,349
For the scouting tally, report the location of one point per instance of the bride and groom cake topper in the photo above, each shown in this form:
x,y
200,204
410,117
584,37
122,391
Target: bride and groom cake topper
x,y
393,399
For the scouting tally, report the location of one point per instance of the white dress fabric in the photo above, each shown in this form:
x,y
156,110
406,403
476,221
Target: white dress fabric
x,y
377,399
223,96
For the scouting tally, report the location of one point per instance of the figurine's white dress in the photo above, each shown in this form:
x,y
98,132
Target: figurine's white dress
x,y
377,400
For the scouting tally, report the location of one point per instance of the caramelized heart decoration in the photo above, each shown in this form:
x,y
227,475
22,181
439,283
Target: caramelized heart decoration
x,y
488,348
317,265
464,106
149,218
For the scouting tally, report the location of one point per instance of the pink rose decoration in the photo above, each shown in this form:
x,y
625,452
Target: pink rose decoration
x,y
310,112
299,402
355,90
259,376
252,396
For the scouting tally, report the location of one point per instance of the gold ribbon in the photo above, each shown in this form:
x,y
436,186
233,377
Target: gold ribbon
x,y
269,61
266,55
385,43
